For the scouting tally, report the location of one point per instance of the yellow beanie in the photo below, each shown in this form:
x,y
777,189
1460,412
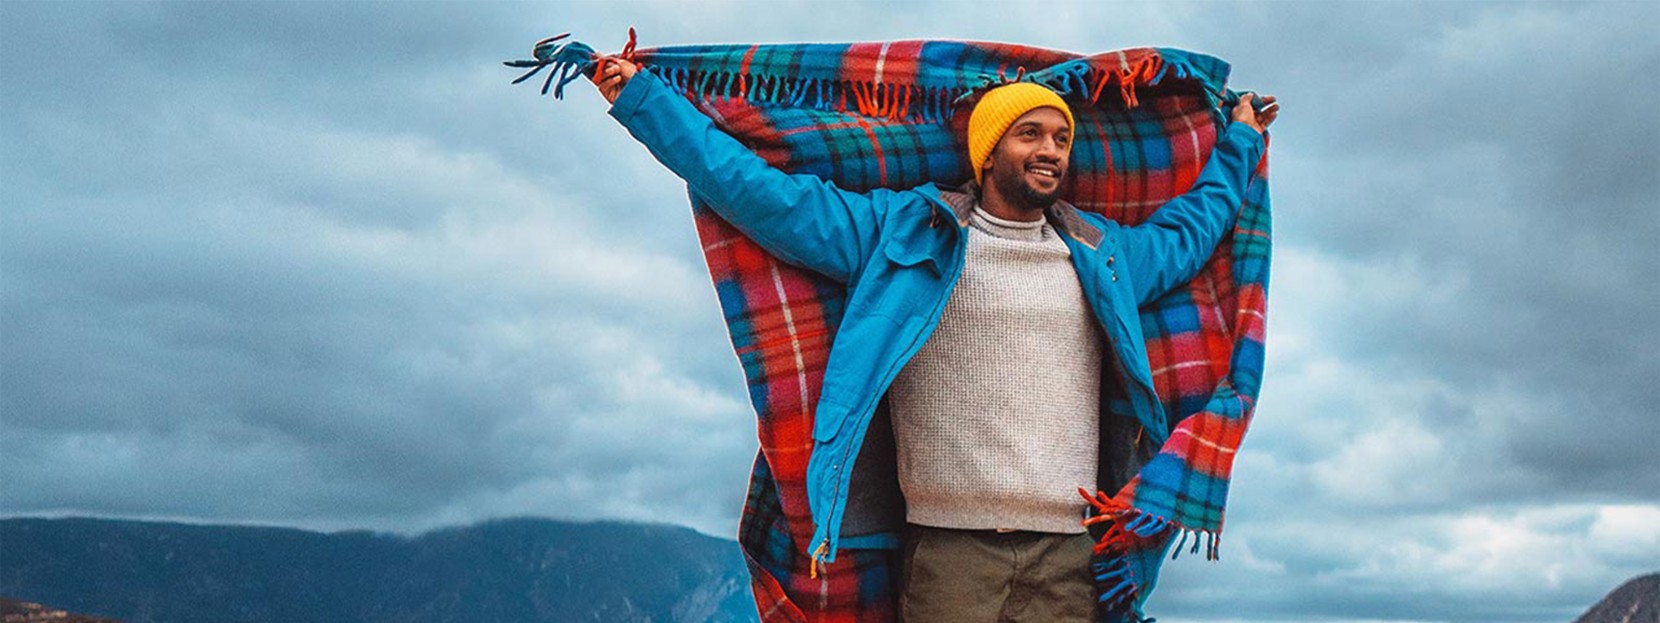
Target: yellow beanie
x,y
997,109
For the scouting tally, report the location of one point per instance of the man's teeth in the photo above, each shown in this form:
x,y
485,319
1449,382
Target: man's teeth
x,y
1045,172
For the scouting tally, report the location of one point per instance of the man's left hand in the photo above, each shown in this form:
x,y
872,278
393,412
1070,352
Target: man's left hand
x,y
611,74
1246,112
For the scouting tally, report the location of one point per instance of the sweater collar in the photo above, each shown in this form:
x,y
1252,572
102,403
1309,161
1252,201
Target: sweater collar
x,y
1061,214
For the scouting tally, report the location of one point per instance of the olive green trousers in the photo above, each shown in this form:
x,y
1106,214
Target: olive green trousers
x,y
986,576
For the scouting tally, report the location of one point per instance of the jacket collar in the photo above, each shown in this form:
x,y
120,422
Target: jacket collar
x,y
1061,214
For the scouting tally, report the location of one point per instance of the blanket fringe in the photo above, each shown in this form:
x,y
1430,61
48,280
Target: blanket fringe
x,y
881,100
568,61
1127,523
1079,80
887,100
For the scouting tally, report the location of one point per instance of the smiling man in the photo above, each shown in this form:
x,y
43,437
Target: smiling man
x,y
1026,156
965,400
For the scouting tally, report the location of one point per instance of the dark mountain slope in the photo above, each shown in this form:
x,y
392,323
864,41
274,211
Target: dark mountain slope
x,y
509,570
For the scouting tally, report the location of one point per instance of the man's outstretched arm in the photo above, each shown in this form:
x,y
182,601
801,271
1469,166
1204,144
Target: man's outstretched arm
x,y
802,219
1170,247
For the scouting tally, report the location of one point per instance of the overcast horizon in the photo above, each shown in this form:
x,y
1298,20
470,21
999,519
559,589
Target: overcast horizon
x,y
320,265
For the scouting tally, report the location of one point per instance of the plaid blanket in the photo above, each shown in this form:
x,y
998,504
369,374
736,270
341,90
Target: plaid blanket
x,y
891,114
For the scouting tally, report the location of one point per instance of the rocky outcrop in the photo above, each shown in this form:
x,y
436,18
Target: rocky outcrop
x,y
1636,601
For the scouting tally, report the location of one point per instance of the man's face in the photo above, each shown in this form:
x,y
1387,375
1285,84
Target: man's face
x,y
1029,163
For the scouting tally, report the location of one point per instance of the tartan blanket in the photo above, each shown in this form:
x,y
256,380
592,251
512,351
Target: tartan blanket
x,y
893,114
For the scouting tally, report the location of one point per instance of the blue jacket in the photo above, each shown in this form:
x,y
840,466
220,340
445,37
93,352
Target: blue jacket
x,y
900,252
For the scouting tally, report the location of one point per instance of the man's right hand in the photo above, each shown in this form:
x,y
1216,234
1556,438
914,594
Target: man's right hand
x,y
1246,112
612,75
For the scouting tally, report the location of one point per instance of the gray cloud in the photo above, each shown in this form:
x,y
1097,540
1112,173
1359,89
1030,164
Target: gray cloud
x,y
234,293
320,265
1507,166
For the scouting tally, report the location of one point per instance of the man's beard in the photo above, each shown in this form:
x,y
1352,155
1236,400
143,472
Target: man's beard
x,y
1035,199
1029,197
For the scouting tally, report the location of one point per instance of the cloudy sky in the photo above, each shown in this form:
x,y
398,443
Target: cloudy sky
x,y
318,264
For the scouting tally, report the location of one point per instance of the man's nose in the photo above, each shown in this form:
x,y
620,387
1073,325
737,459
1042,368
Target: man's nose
x,y
1051,148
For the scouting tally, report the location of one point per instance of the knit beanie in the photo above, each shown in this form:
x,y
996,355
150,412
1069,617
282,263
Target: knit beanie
x,y
997,109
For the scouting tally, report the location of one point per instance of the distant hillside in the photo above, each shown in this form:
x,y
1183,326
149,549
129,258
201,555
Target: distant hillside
x,y
13,611
510,570
1636,601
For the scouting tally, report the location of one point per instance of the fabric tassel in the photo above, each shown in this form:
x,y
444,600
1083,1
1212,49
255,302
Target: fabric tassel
x,y
565,62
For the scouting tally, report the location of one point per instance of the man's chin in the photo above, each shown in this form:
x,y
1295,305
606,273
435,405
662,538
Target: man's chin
x,y
1039,199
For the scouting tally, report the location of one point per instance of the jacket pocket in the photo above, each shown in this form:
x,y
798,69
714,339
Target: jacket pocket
x,y
827,421
904,256
898,285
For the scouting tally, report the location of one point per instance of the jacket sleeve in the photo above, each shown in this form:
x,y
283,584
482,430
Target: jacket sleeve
x,y
802,219
1169,248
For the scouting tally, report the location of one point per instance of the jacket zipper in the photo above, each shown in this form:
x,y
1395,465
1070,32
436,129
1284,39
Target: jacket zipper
x,y
893,371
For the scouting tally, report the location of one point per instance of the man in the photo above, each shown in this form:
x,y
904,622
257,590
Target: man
x,y
986,344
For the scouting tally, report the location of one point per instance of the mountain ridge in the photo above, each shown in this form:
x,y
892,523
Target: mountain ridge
x,y
513,569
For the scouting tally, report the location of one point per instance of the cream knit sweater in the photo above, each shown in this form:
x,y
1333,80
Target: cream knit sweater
x,y
996,418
